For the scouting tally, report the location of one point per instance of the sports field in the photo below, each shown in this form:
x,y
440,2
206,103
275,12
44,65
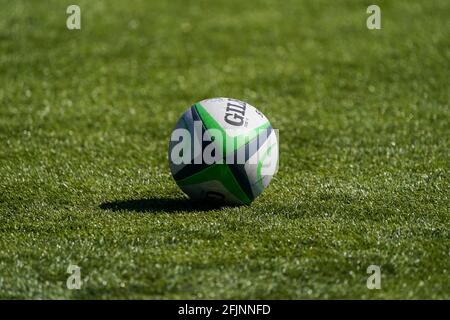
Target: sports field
x,y
363,117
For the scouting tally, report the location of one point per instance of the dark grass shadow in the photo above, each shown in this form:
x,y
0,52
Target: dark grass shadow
x,y
159,205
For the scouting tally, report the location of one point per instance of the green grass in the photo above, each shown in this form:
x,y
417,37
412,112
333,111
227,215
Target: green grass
x,y
85,118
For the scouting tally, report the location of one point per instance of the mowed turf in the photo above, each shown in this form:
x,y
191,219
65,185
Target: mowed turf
x,y
85,119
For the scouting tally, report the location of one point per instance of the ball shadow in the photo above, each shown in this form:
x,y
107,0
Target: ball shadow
x,y
158,205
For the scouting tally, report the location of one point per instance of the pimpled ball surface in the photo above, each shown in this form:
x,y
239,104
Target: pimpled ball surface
x,y
225,152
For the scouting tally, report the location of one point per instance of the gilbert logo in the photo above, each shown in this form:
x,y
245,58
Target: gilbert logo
x,y
235,112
